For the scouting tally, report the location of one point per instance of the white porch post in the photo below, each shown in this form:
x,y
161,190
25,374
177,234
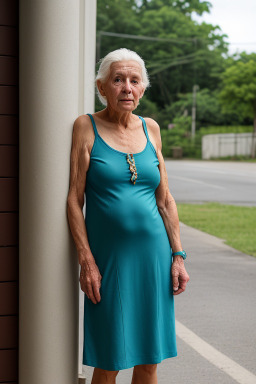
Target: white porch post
x,y
50,100
87,56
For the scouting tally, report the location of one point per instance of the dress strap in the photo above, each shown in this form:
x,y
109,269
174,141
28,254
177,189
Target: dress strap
x,y
146,132
93,124
145,127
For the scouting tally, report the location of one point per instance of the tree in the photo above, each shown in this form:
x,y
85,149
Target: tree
x,y
208,110
190,53
239,90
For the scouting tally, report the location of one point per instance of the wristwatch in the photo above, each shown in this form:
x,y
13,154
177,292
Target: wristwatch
x,y
181,253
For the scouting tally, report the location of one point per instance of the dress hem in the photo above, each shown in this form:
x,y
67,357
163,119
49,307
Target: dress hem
x,y
129,364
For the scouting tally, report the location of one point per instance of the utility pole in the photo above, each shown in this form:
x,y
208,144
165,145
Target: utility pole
x,y
193,125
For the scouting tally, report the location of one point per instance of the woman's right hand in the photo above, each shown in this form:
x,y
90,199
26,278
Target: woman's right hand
x,y
90,280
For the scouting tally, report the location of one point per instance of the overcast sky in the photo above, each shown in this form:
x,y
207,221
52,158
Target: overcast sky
x,y
237,18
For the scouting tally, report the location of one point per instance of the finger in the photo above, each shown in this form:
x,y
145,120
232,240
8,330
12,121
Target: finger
x,y
90,293
96,290
175,282
183,284
181,287
180,290
84,287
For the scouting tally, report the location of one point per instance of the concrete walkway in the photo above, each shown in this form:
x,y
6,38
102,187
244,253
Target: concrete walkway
x,y
219,307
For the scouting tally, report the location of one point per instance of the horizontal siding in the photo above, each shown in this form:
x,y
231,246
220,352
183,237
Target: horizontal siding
x,y
9,328
9,73
9,100
9,191
8,365
9,40
9,12
9,264
9,297
9,199
9,130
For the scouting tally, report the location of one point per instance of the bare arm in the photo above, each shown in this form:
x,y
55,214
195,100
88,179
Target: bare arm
x,y
90,276
167,207
168,210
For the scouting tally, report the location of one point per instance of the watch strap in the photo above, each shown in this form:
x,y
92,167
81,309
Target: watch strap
x,y
181,253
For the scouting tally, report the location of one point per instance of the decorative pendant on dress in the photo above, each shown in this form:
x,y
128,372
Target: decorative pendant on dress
x,y
131,161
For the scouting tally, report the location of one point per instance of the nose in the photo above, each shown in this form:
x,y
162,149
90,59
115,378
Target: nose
x,y
127,87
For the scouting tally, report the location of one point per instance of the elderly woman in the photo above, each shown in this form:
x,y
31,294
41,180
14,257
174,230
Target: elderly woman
x,y
129,248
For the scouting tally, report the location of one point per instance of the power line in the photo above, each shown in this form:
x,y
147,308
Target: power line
x,y
173,40
140,37
148,38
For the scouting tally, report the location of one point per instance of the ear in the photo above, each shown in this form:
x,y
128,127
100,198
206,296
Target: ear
x,y
101,88
142,93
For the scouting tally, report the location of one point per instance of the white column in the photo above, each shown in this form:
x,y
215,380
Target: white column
x,y
88,12
49,104
87,56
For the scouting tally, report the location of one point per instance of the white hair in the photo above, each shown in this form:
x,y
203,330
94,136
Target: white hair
x,y
114,56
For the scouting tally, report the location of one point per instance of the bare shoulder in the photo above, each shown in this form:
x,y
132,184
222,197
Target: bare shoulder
x,y
83,134
154,132
82,141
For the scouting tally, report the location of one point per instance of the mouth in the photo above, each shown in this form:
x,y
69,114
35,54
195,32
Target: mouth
x,y
126,100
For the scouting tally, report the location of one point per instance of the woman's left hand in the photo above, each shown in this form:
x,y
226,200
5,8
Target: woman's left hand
x,y
180,276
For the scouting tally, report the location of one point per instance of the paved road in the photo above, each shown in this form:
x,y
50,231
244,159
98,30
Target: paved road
x,y
202,181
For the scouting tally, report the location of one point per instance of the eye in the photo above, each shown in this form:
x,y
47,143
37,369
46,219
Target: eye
x,y
117,79
135,81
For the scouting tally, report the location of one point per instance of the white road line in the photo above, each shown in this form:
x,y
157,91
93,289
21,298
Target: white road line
x,y
226,171
224,363
196,181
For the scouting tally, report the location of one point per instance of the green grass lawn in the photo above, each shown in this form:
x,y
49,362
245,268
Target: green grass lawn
x,y
235,224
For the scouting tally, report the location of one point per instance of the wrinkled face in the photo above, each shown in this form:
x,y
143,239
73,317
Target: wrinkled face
x,y
123,88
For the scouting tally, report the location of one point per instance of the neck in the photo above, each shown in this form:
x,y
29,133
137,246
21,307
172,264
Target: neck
x,y
121,119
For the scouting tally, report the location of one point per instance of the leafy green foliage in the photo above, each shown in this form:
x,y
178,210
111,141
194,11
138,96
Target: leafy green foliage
x,y
189,53
179,52
239,88
225,129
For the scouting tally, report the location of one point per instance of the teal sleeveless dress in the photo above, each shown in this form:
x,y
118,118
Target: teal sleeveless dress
x,y
134,323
